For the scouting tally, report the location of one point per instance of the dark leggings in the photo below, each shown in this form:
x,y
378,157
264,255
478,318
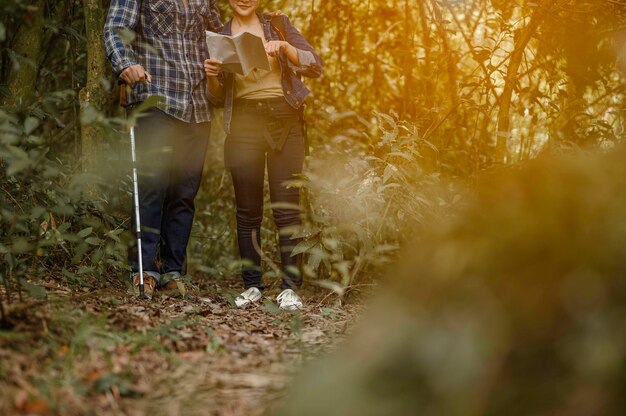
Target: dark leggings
x,y
266,132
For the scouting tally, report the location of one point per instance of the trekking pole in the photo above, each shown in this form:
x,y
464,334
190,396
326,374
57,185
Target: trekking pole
x,y
124,103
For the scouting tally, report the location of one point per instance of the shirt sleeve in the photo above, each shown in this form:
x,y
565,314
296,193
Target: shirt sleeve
x,y
214,23
310,62
123,14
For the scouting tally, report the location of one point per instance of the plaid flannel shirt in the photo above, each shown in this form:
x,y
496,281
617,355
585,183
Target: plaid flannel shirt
x,y
170,45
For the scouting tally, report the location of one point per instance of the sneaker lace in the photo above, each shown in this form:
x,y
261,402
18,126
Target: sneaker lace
x,y
288,296
248,293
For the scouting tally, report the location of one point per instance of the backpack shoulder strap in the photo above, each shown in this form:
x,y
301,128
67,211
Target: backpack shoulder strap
x,y
278,24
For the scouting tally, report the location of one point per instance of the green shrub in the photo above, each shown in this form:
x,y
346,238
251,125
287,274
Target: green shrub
x,y
50,227
366,199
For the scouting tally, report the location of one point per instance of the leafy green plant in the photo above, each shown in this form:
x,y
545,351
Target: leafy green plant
x,y
50,227
363,198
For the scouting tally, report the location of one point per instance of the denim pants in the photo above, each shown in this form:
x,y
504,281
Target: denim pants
x,y
170,156
266,132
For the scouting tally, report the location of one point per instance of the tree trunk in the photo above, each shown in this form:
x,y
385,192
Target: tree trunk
x,y
427,44
521,42
408,63
27,46
448,53
93,96
453,88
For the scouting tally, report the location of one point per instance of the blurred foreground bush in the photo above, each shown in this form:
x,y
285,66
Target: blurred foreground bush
x,y
517,306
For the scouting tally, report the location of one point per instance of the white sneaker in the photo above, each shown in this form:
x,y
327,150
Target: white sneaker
x,y
250,295
289,300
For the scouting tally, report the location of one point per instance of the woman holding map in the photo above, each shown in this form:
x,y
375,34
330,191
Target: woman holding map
x,y
263,122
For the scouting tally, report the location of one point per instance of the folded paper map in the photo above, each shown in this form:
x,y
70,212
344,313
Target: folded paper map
x,y
240,53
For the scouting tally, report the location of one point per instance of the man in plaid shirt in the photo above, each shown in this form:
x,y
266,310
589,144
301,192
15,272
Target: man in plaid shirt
x,y
165,59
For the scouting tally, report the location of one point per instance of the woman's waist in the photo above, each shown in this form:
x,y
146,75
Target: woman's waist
x,y
271,107
259,103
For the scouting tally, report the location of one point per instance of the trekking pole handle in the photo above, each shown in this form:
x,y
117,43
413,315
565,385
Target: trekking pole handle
x,y
124,87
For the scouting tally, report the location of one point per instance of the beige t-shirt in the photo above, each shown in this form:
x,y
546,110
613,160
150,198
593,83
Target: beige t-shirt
x,y
259,83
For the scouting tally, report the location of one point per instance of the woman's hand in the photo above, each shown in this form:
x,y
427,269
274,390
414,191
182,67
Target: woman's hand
x,y
212,67
273,47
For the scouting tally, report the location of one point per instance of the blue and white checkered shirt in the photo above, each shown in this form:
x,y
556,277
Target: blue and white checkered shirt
x,y
170,45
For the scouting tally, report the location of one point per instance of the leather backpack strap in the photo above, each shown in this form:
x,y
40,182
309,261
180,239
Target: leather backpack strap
x,y
278,24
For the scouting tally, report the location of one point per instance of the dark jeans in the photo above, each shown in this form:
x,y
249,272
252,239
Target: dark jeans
x,y
170,155
266,132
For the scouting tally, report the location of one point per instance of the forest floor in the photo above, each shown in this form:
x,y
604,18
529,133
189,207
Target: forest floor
x,y
104,352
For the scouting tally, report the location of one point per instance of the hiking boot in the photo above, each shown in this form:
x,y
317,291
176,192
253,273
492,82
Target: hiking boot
x,y
149,283
172,284
289,300
249,296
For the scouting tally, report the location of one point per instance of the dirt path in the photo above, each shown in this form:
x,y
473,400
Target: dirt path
x,y
246,362
108,353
